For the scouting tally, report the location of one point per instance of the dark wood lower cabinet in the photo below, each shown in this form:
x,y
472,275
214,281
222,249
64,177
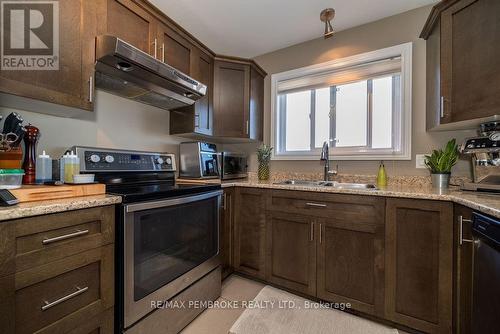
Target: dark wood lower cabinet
x,y
463,270
291,251
249,232
419,264
350,265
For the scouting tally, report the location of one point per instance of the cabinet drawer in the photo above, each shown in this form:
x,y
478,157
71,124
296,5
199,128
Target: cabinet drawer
x,y
342,207
40,240
58,296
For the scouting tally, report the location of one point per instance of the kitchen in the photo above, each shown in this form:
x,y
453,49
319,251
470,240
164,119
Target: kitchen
x,y
309,223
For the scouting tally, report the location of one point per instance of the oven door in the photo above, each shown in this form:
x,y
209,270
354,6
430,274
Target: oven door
x,y
168,245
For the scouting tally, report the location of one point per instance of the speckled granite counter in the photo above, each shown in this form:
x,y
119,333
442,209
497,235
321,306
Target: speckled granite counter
x,y
38,208
486,203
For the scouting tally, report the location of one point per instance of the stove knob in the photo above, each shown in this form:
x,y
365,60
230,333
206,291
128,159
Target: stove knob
x,y
159,161
109,159
95,158
169,161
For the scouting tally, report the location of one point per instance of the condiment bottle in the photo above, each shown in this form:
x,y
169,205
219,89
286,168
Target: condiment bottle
x,y
71,166
43,168
382,175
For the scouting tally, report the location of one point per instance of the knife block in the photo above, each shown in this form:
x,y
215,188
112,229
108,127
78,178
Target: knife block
x,y
12,159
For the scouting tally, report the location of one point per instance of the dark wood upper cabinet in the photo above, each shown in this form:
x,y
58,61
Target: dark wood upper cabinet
x,y
72,84
133,24
249,239
256,115
291,251
351,254
173,49
231,99
419,264
463,63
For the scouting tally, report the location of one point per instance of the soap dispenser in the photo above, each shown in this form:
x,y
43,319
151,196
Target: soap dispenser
x,y
381,176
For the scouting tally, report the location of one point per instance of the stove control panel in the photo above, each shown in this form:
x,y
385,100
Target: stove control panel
x,y
108,160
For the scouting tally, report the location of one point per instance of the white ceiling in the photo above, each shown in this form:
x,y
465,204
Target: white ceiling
x,y
248,28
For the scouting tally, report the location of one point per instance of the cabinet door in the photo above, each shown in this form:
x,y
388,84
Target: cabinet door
x,y
470,60
351,254
226,233
174,49
231,99
463,269
202,69
291,252
131,23
249,232
419,262
256,114
72,83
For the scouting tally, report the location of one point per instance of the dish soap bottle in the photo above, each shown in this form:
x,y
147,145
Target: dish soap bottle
x,y
381,176
43,169
71,167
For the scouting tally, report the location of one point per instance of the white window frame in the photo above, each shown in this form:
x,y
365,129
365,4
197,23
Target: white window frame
x,y
404,51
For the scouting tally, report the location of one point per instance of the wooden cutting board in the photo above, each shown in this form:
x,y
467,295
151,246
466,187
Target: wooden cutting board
x,y
43,193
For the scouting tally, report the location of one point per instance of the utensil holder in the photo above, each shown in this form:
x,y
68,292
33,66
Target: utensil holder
x,y
12,159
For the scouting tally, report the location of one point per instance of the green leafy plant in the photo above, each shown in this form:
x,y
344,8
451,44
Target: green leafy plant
x,y
264,153
441,161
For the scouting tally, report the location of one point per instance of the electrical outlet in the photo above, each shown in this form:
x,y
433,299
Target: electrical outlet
x,y
420,158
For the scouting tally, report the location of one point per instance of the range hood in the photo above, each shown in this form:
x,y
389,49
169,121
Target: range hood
x,y
124,70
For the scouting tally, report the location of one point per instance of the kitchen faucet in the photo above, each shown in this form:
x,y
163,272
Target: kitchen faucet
x,y
325,156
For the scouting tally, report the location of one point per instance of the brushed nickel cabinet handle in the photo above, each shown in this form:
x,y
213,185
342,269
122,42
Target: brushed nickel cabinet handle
x,y
442,106
461,239
155,45
316,205
91,89
248,127
64,237
163,52
320,233
78,291
311,235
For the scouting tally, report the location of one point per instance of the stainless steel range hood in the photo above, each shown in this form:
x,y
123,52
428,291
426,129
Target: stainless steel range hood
x,y
124,70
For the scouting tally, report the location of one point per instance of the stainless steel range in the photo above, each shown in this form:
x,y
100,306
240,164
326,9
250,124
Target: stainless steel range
x,y
167,236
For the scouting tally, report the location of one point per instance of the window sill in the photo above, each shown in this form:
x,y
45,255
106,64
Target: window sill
x,y
366,157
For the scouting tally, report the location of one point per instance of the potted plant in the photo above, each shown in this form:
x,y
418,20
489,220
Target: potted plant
x,y
264,157
440,163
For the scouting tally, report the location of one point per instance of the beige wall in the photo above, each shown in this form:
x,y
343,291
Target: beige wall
x,y
387,32
115,123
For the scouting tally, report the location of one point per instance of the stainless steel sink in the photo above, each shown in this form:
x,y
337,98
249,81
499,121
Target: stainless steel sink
x,y
332,184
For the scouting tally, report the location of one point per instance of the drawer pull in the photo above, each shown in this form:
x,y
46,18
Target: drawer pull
x,y
64,237
78,291
316,205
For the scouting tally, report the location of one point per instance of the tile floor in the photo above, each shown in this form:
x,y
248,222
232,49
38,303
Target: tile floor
x,y
219,321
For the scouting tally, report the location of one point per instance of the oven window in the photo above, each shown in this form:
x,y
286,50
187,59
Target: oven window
x,y
234,165
209,164
170,241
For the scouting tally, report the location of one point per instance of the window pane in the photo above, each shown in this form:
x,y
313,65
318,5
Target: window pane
x,y
298,123
382,113
351,114
322,116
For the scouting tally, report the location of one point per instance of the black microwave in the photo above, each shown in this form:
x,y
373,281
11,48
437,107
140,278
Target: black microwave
x,y
233,165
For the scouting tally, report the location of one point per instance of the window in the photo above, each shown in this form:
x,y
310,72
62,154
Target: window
x,y
360,105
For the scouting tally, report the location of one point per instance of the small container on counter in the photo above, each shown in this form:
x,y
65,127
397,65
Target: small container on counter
x,y
43,171
71,165
11,178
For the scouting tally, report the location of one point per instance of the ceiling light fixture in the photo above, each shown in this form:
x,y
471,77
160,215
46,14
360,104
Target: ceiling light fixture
x,y
326,16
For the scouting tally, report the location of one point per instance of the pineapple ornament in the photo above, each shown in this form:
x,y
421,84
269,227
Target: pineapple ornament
x,y
264,158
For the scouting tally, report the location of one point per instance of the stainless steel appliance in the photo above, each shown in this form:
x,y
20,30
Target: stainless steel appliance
x,y
233,165
132,73
485,156
167,235
486,290
199,160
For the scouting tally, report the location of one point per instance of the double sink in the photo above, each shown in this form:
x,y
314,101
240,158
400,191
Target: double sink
x,y
331,184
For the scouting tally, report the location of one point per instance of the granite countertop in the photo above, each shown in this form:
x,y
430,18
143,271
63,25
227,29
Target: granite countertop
x,y
486,203
38,208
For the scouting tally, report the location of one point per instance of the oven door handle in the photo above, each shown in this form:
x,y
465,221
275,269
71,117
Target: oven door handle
x,y
171,202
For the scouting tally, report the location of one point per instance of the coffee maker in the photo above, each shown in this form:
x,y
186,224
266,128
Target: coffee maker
x,y
484,151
